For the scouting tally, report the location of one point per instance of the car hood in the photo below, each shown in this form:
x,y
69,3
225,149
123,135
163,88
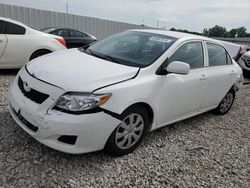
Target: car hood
x,y
73,70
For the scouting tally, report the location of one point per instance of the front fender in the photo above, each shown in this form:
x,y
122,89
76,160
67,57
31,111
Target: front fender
x,y
130,92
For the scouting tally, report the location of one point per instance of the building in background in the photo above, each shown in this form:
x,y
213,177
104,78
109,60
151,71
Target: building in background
x,y
42,18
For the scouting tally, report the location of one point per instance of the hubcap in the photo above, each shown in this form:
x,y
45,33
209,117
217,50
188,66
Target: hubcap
x,y
129,131
226,102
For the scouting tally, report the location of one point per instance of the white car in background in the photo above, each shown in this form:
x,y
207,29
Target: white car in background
x,y
233,49
111,94
244,62
19,44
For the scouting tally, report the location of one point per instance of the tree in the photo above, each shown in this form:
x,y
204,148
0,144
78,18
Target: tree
x,y
205,32
232,33
217,31
185,31
241,32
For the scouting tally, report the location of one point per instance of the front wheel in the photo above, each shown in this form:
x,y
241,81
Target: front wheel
x,y
129,133
226,103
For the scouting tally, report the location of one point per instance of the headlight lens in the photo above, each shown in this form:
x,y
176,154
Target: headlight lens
x,y
79,102
245,57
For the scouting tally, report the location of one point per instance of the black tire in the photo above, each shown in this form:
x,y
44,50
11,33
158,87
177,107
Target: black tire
x,y
226,103
112,148
39,53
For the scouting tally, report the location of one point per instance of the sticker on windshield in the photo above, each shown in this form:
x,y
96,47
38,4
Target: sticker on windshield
x,y
160,39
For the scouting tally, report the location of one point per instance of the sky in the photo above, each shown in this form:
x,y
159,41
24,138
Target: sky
x,y
194,15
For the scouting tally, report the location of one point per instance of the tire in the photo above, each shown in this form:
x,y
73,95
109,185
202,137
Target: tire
x,y
226,103
39,53
125,133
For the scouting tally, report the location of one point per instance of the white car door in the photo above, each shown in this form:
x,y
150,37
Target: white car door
x,y
16,50
3,39
221,75
3,42
181,95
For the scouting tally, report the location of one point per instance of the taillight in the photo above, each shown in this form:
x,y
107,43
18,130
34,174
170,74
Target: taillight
x,y
62,41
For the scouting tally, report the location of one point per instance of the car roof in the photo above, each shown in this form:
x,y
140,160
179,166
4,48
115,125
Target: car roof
x,y
232,48
56,28
59,28
178,35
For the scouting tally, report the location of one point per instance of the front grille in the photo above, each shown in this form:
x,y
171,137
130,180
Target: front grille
x,y
32,94
26,123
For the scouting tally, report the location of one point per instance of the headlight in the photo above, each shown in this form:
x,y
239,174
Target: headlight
x,y
80,102
245,57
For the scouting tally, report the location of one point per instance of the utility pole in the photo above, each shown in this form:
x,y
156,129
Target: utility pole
x,y
143,23
67,8
165,25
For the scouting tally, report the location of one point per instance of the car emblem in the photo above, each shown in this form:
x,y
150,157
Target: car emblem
x,y
26,87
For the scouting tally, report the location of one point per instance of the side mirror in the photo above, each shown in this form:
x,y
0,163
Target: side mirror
x,y
178,67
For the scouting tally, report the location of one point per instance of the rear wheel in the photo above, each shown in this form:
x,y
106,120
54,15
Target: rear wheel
x,y
129,133
39,53
226,103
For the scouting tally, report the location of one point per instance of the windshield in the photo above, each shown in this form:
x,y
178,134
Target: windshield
x,y
132,48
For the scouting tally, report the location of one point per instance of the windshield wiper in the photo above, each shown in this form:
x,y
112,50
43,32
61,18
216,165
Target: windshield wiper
x,y
110,58
94,54
106,57
123,62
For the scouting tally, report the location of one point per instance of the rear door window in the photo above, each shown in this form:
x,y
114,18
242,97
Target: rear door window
x,y
14,29
217,55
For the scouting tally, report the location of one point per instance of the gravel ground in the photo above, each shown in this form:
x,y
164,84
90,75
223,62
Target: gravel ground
x,y
204,151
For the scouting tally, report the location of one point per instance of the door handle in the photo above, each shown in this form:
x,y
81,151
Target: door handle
x,y
1,40
203,77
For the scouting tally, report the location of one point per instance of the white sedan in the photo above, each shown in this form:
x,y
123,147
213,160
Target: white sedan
x,y
110,95
19,44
